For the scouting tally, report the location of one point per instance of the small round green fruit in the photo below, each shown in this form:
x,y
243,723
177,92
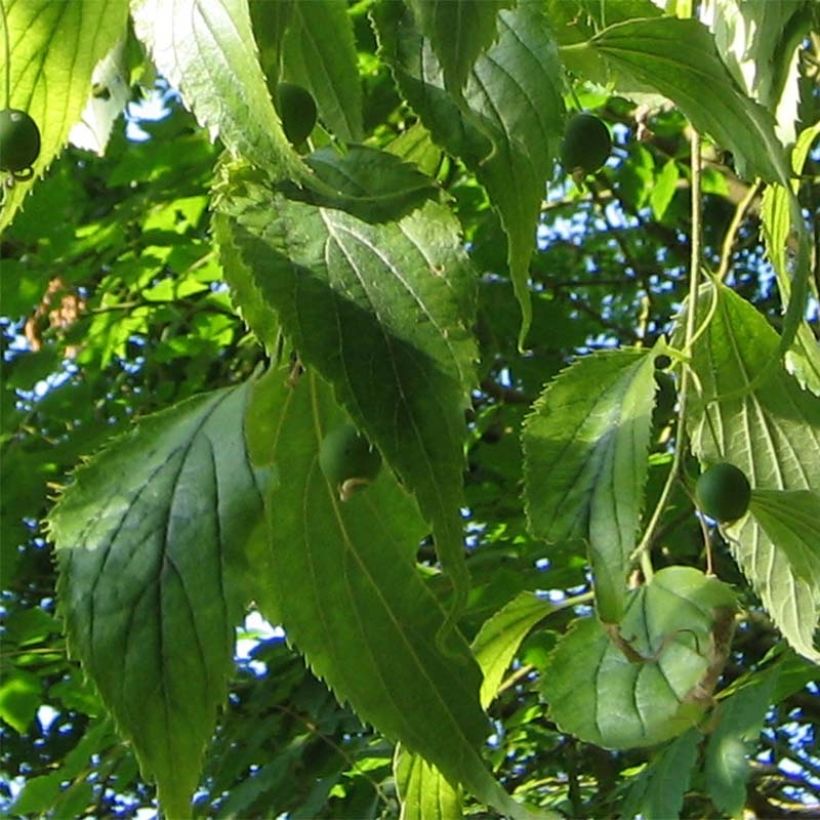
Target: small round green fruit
x,y
587,144
348,460
723,492
297,110
19,141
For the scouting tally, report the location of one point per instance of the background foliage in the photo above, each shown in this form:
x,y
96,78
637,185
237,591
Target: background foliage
x,y
392,276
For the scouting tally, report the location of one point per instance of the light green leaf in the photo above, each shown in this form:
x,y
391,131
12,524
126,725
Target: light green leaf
x,y
202,47
423,793
657,793
39,794
110,91
791,521
780,219
150,541
679,59
458,30
373,185
510,122
351,598
416,145
21,695
664,189
248,299
585,463
739,719
649,678
771,432
384,313
319,53
54,50
759,42
500,636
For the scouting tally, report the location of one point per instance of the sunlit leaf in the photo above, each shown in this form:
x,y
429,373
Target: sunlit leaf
x,y
771,432
585,447
781,235
649,678
54,48
678,58
201,46
423,792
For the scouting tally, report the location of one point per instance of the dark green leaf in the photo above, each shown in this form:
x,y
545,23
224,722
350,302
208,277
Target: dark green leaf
x,y
150,540
658,791
383,312
373,185
319,53
509,125
459,30
739,719
346,581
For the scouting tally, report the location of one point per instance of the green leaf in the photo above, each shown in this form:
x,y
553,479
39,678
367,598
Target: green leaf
x,y
758,42
678,58
657,793
585,463
650,678
494,648
739,719
771,431
510,122
21,694
664,189
500,636
319,53
423,792
203,50
150,541
351,598
416,145
458,30
54,50
791,521
373,185
382,312
246,296
39,794
780,219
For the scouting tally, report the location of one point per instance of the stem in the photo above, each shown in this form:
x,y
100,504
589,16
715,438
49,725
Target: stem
x,y
734,227
642,550
8,53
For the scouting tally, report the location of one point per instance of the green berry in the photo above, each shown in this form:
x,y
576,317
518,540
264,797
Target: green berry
x,y
297,110
723,492
348,460
587,144
19,140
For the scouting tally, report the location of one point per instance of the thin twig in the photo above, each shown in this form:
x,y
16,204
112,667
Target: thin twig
x,y
641,552
734,227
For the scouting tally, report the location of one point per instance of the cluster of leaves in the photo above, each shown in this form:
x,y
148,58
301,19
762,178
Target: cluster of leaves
x,y
390,277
